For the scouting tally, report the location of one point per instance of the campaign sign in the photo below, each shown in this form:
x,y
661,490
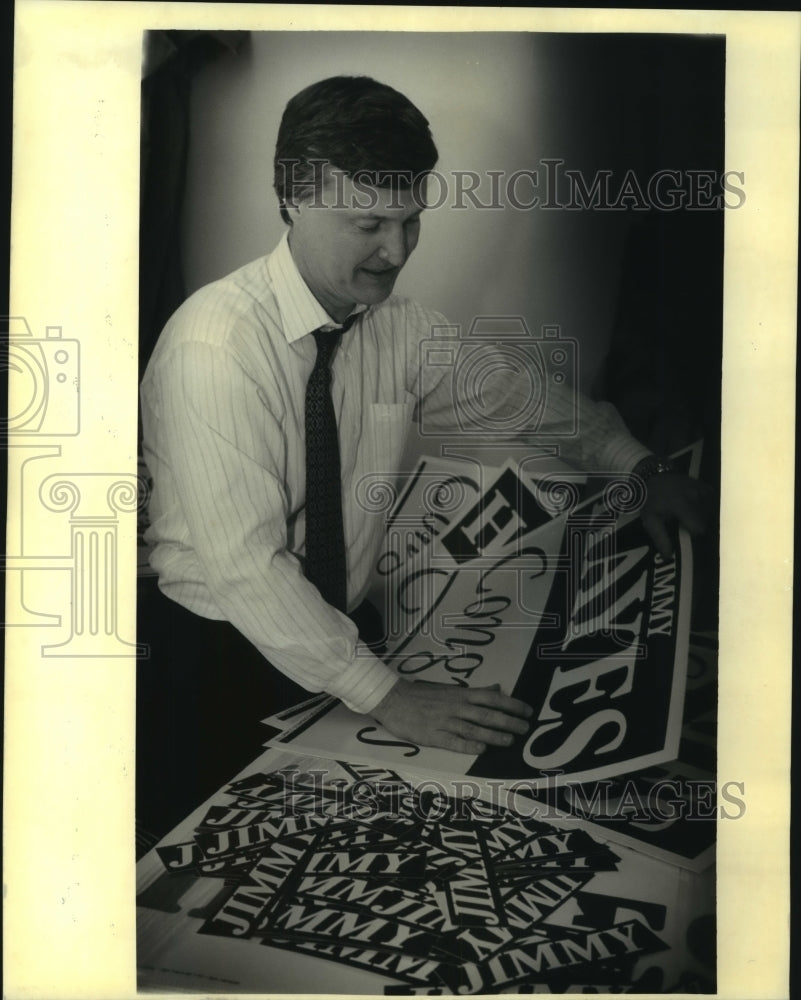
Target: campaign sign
x,y
575,614
608,677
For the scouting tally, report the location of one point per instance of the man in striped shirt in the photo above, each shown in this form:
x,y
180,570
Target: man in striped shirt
x,y
224,437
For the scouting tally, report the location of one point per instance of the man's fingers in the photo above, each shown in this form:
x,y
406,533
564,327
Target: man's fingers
x,y
692,518
689,517
658,533
465,720
489,718
675,497
694,524
470,732
451,741
495,699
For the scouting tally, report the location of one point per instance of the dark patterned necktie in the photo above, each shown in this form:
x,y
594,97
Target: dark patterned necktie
x,y
326,564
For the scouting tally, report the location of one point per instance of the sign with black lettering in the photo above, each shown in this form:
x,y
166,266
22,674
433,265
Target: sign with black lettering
x,y
472,895
310,921
386,900
531,958
409,968
280,863
469,897
377,864
577,615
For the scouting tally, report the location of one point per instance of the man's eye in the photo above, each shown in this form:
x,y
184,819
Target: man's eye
x,y
367,227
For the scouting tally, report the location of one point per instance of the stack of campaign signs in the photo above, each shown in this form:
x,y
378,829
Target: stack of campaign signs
x,y
550,587
433,893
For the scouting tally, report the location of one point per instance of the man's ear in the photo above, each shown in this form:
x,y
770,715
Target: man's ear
x,y
292,210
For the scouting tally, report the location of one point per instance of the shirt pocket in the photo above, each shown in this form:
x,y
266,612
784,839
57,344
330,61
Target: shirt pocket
x,y
388,428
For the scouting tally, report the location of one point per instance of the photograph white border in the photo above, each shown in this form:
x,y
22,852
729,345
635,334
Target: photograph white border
x,y
69,725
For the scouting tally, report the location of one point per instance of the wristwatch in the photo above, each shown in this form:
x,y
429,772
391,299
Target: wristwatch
x,y
652,465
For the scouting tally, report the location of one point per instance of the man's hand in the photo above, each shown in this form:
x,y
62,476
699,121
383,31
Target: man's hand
x,y
467,720
673,497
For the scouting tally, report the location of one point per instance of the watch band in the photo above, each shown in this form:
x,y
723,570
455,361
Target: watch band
x,y
652,466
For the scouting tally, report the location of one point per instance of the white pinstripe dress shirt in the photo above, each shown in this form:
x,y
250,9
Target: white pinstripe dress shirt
x,y
223,403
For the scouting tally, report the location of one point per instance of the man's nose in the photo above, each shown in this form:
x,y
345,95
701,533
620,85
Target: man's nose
x,y
394,248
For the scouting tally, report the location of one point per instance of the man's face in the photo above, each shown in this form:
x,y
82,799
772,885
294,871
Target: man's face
x,y
351,241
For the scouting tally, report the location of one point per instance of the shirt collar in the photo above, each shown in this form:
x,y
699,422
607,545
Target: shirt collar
x,y
300,311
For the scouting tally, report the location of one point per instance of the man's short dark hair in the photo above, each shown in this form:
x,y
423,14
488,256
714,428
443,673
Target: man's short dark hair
x,y
357,125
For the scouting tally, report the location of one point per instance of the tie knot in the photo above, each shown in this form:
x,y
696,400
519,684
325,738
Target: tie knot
x,y
327,341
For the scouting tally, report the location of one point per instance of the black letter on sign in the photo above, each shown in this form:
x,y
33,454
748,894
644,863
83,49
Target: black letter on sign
x,y
362,738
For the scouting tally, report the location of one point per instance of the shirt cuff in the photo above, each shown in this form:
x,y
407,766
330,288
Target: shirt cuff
x,y
623,453
365,682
